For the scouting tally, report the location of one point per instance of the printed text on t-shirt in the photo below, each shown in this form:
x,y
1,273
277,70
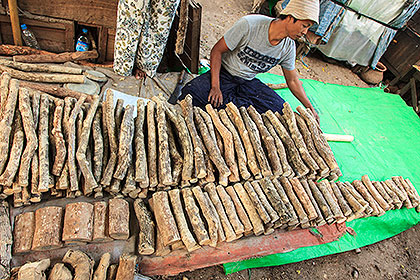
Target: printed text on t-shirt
x,y
257,61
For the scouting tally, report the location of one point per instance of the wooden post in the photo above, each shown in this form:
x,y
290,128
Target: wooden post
x,y
14,19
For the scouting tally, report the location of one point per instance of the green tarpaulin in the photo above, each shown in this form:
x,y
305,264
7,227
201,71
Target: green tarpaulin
x,y
387,143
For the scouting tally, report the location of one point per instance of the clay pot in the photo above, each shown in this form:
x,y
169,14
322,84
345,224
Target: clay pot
x,y
374,76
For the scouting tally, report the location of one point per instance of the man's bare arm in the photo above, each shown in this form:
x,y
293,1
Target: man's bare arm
x,y
295,86
215,95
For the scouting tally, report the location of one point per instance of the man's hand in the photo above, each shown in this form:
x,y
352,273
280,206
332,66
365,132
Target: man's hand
x,y
315,114
215,97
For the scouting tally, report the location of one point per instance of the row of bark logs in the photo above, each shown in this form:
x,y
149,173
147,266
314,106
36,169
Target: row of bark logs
x,y
74,147
81,222
196,216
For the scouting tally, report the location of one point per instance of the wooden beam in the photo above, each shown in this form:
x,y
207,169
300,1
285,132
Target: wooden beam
x,y
14,19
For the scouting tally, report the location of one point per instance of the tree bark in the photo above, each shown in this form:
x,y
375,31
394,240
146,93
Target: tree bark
x,y
377,210
165,220
320,142
119,219
229,152
56,58
235,117
213,150
102,269
140,145
229,206
47,234
146,243
239,148
126,267
100,222
31,137
6,240
375,194
215,199
268,140
208,215
108,108
81,263
60,272
254,136
193,213
8,116
23,234
188,112
78,223
306,134
186,236
34,270
151,144
290,118
304,199
257,224
292,152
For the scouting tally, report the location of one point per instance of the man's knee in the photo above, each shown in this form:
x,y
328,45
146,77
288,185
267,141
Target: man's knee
x,y
199,89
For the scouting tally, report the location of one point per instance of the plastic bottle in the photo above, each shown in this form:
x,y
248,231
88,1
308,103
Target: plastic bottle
x,y
29,37
83,43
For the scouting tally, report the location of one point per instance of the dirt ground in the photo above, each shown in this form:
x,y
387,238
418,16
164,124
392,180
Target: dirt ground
x,y
394,258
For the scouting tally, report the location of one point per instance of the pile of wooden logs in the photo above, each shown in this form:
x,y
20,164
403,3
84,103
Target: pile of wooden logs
x,y
75,147
192,217
214,214
79,266
82,222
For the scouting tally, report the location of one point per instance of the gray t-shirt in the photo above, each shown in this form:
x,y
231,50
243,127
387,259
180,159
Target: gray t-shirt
x,y
251,51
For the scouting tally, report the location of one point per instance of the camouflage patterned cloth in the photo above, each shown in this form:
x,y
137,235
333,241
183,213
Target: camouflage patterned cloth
x,y
142,32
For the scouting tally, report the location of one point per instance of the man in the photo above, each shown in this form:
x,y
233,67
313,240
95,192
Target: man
x,y
253,45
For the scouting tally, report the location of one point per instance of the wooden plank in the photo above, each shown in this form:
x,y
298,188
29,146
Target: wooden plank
x,y
244,248
401,53
102,44
109,54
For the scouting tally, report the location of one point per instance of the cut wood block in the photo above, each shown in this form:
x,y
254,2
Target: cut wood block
x,y
255,219
47,234
186,235
23,232
119,219
78,223
146,242
100,222
60,272
126,267
164,218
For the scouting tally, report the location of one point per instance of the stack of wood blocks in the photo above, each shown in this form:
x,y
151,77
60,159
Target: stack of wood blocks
x,y
82,222
75,147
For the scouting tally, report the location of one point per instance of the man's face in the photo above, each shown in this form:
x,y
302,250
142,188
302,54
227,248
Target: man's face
x,y
299,28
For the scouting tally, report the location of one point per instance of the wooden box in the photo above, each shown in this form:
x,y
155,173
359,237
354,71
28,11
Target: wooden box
x,y
403,52
52,35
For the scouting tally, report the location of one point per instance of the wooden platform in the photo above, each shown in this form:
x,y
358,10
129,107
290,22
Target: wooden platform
x,y
244,248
